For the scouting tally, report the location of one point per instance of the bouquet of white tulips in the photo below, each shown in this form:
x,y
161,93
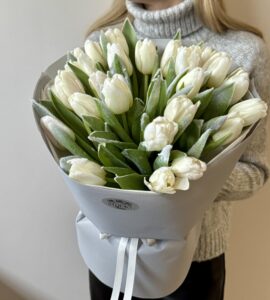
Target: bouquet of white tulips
x,y
123,115
132,119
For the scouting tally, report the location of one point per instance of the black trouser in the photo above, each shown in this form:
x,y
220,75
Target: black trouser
x,y
205,281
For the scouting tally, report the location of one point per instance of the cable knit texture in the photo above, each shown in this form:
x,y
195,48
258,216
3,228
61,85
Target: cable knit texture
x,y
247,50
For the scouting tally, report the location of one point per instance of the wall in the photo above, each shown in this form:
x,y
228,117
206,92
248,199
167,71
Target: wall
x,y
248,267
39,258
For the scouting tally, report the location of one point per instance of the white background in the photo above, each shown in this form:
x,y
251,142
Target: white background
x,y
39,257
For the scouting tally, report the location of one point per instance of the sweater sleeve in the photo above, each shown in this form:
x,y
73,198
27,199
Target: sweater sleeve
x,y
253,168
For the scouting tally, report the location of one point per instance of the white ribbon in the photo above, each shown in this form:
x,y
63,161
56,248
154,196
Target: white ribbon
x,y
131,268
119,268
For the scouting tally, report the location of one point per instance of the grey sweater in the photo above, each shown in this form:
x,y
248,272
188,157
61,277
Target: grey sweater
x,y
248,51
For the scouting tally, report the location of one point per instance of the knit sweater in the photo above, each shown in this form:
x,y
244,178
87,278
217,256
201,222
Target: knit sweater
x,y
248,51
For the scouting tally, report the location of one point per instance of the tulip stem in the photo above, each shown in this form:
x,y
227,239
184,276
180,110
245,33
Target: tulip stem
x,y
125,122
145,86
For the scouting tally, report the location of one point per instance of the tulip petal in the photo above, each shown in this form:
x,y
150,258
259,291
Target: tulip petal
x,y
181,183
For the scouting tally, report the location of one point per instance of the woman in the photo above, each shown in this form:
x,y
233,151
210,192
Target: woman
x,y
205,20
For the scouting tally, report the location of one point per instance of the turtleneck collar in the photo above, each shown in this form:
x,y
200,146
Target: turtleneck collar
x,y
165,23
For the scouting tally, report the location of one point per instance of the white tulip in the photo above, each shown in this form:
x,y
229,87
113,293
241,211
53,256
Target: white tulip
x,y
65,84
187,57
250,111
240,79
189,167
116,36
232,126
218,65
117,94
86,172
146,56
181,110
169,52
94,51
83,105
195,78
96,81
159,133
53,128
83,61
116,49
207,52
163,180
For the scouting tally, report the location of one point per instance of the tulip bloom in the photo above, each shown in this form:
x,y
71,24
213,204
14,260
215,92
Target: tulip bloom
x,y
94,51
83,61
250,111
112,50
117,94
233,127
218,66
84,105
181,110
195,78
240,79
187,57
159,133
189,167
116,36
96,81
164,181
169,52
207,52
86,172
66,84
146,56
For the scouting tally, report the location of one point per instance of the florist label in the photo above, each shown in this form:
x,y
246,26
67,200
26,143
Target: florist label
x,y
120,204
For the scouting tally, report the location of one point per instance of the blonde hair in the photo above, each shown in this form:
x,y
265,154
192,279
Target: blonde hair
x,y
212,13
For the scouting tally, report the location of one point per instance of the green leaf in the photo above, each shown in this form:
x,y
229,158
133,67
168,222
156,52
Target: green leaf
x,y
131,182
177,36
88,148
49,105
68,143
212,148
197,149
133,117
163,157
119,171
190,135
83,77
145,120
94,123
131,38
103,135
108,158
171,71
162,98
40,109
177,154
205,98
172,86
153,100
100,67
68,117
214,123
220,102
112,120
140,159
